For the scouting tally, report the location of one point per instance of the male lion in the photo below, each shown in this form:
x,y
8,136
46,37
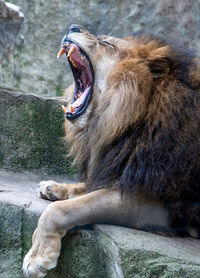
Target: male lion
x,y
134,124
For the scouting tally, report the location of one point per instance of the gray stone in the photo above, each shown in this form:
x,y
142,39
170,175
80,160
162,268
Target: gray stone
x,y
103,252
136,254
31,133
33,66
80,254
10,240
11,19
20,209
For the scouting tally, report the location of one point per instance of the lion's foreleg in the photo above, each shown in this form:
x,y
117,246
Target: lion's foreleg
x,y
101,206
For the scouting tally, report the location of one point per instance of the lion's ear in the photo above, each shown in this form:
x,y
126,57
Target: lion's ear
x,y
160,67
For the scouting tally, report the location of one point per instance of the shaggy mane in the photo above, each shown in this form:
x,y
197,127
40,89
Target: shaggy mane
x,y
144,132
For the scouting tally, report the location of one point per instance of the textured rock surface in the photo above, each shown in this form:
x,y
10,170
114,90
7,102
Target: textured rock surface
x,y
11,19
133,254
34,68
31,133
10,240
103,252
20,209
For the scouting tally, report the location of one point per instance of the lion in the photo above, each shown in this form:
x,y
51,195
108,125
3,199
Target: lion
x,y
133,121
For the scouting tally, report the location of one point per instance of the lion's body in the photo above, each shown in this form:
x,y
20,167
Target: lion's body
x,y
159,152
137,144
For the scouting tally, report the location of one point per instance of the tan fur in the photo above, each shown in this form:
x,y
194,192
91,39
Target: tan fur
x,y
124,99
133,79
54,191
106,207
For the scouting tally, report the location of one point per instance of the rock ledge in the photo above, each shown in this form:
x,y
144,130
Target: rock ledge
x,y
102,251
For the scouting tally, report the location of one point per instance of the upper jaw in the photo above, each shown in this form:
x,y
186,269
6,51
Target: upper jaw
x,y
66,46
83,73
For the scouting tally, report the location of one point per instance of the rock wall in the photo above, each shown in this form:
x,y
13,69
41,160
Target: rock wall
x,y
31,134
33,66
11,19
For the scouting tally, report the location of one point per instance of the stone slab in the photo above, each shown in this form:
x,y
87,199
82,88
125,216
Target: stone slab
x,y
31,133
11,19
137,254
99,251
10,240
20,209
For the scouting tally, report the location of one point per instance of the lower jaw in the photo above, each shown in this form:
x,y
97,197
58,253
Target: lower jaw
x,y
78,114
81,122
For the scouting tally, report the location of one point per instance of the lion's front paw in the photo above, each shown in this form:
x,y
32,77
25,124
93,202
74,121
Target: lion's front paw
x,y
32,266
52,190
42,256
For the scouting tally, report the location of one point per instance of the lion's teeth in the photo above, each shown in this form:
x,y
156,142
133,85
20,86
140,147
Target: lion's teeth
x,y
64,108
61,52
72,109
72,49
73,62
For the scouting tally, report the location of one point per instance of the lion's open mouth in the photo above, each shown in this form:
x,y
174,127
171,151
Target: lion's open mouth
x,y
83,73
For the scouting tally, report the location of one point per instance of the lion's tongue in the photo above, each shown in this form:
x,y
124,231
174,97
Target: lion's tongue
x,y
80,100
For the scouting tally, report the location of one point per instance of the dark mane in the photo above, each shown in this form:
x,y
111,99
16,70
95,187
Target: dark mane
x,y
151,155
160,154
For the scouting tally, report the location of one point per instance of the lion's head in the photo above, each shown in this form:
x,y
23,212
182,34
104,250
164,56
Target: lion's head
x,y
98,65
133,118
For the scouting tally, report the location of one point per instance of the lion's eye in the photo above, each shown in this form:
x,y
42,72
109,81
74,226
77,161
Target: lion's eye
x,y
105,42
109,43
74,29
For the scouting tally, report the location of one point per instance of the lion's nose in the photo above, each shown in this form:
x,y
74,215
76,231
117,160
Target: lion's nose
x,y
74,29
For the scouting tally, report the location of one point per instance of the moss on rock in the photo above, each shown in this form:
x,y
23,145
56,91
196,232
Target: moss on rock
x,y
10,241
32,131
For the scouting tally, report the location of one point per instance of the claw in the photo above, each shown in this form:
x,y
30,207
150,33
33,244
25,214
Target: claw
x,y
41,268
53,197
22,272
61,52
64,108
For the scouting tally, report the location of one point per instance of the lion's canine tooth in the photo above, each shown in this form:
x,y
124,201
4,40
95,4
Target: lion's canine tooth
x,y
72,49
61,52
64,108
